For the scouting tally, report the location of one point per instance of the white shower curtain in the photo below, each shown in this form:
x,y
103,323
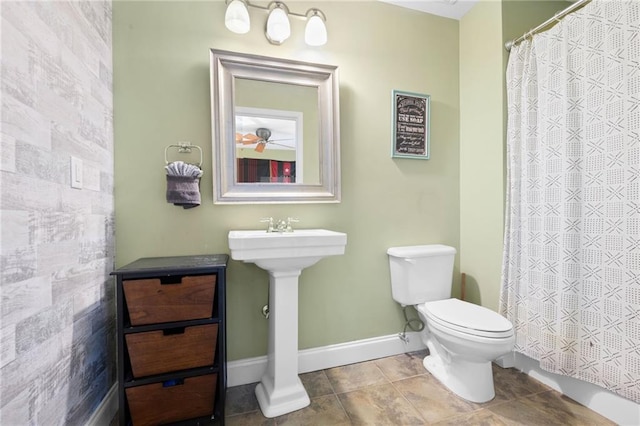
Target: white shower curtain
x,y
571,265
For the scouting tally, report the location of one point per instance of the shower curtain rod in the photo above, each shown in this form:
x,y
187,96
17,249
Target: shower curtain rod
x,y
556,18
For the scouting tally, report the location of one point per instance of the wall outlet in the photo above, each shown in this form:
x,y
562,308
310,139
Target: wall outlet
x,y
76,173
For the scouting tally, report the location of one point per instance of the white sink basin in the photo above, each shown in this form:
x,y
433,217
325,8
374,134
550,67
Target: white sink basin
x,y
283,255
287,250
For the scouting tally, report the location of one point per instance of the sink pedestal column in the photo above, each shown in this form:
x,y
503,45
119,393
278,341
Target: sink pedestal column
x,y
280,391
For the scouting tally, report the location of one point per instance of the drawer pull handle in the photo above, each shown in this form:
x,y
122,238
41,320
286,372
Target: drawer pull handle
x,y
172,382
172,279
171,331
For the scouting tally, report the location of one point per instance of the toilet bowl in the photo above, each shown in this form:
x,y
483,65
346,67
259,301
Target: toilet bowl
x,y
463,338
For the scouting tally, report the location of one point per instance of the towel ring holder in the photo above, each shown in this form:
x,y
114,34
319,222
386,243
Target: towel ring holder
x,y
183,148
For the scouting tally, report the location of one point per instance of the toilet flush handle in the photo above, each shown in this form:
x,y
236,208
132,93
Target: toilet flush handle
x,y
409,260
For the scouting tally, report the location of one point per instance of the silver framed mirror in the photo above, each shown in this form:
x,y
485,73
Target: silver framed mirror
x,y
275,130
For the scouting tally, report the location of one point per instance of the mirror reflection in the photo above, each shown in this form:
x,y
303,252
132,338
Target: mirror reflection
x,y
268,147
275,129
276,132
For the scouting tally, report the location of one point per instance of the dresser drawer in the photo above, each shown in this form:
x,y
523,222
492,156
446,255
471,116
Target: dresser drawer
x,y
173,400
181,298
174,349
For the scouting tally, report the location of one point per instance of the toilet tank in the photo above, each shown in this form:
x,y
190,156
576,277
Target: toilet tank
x,y
421,273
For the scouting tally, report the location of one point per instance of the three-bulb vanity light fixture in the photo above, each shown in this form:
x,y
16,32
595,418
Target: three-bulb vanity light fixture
x,y
278,28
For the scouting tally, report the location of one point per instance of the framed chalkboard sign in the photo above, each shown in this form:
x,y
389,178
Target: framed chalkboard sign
x,y
410,125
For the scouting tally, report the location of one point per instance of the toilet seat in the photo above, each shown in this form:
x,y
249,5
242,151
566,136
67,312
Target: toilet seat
x,y
467,318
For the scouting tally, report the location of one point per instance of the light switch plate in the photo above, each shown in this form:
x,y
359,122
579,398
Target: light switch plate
x,y
76,173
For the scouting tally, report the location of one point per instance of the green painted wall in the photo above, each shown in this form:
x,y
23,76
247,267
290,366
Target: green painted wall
x,y
483,58
519,16
161,96
481,159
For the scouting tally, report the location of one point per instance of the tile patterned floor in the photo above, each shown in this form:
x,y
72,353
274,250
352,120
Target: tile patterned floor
x,y
399,391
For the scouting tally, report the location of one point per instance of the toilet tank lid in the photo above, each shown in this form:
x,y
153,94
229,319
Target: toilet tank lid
x,y
421,251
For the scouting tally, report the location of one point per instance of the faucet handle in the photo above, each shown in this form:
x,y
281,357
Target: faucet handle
x,y
291,220
268,220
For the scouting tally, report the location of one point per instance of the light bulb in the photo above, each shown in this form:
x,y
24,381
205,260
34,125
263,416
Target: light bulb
x,y
236,18
278,27
315,33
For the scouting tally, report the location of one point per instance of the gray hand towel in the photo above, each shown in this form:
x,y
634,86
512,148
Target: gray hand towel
x,y
183,184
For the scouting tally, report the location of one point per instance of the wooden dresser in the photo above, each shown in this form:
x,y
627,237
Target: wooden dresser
x,y
171,340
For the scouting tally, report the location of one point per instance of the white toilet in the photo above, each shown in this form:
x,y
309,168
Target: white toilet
x,y
462,338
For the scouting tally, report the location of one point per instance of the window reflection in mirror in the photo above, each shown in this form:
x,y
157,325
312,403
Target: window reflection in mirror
x,y
276,132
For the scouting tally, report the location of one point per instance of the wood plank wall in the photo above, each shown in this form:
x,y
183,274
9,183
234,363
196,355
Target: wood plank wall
x,y
57,317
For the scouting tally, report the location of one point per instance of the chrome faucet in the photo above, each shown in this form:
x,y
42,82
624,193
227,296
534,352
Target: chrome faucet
x,y
280,225
269,221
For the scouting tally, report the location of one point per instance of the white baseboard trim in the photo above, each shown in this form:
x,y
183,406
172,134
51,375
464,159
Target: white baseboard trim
x,y
250,370
107,409
612,406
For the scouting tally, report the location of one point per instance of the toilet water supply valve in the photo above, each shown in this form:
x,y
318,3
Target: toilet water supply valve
x,y
265,308
414,324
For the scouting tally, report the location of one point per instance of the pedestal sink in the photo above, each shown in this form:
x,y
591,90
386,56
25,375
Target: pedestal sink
x,y
284,255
